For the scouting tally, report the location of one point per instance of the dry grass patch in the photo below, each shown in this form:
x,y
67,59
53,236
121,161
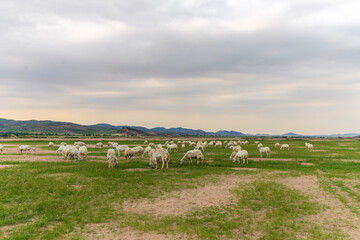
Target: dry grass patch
x,y
184,201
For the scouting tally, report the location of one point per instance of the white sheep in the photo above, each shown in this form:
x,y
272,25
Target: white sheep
x,y
63,144
277,145
183,146
235,150
158,155
26,148
60,149
83,152
71,153
285,146
173,147
259,145
218,144
110,144
242,154
51,144
145,142
131,152
147,150
121,148
152,145
265,150
99,145
111,157
309,147
139,149
193,154
1,148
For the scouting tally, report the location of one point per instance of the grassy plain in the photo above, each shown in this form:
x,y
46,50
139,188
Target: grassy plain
x,y
295,194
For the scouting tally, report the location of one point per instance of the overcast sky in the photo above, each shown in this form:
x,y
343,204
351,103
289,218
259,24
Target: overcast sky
x,y
265,66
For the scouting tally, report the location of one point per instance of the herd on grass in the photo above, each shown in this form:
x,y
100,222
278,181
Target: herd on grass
x,y
160,153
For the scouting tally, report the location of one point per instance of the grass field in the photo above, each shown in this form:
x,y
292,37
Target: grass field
x,y
295,194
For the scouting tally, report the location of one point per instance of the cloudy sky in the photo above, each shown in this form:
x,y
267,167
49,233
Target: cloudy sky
x,y
262,66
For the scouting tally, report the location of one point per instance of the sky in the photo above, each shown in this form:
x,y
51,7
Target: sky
x,y
262,66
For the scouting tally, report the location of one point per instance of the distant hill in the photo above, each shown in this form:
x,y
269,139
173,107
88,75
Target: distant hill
x,y
53,127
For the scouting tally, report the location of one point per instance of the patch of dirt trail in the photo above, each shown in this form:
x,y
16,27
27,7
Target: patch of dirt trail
x,y
335,215
184,201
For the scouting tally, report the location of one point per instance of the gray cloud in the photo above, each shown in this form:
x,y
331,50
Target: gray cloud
x,y
228,57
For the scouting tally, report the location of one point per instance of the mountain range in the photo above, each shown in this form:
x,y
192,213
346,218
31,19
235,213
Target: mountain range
x,y
54,127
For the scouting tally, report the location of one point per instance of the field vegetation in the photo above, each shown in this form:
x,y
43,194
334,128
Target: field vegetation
x,y
295,194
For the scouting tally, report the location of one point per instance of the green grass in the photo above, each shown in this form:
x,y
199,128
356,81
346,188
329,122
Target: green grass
x,y
55,200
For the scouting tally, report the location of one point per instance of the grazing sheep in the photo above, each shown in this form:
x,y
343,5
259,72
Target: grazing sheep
x,y
242,154
218,144
285,146
192,144
63,144
200,146
1,148
129,153
183,146
111,157
51,144
147,150
79,144
309,147
72,153
83,152
277,145
26,148
152,145
121,148
140,150
158,155
99,145
145,142
172,147
265,150
60,149
193,154
235,150
110,144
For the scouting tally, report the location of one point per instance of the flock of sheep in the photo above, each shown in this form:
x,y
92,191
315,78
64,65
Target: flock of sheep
x,y
160,153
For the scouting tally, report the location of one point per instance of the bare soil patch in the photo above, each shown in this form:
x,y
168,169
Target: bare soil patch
x,y
307,164
184,201
247,169
335,215
136,169
107,231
